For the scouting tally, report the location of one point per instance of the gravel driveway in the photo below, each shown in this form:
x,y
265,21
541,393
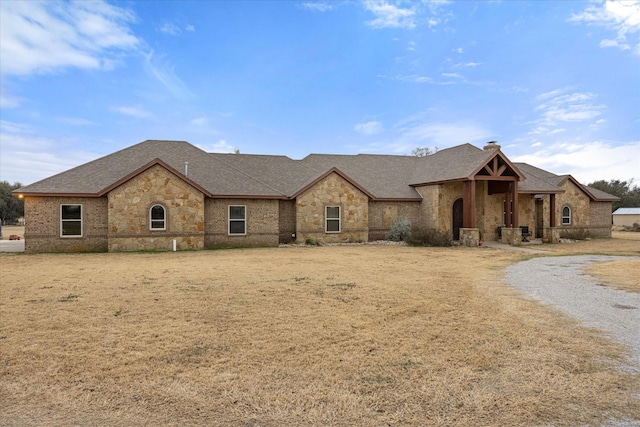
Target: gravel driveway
x,y
560,282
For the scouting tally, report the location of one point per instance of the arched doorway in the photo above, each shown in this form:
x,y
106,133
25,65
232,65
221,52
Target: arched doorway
x,y
457,217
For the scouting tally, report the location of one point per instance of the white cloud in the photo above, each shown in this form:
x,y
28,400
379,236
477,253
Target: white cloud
x,y
200,121
390,16
190,28
317,6
559,108
9,101
169,28
221,146
41,37
137,112
157,67
369,128
620,17
28,157
588,162
76,121
420,131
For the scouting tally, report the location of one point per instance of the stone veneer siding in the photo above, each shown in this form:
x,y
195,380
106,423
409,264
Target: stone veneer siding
x,y
261,223
383,214
578,201
42,225
333,190
128,213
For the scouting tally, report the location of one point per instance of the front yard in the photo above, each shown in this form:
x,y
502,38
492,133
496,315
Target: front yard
x,y
344,335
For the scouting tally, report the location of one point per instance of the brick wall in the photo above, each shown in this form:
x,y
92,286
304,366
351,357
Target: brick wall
x,y
332,191
286,220
128,213
600,219
383,214
42,225
262,223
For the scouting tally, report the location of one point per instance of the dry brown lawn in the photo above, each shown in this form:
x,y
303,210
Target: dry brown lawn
x,y
344,336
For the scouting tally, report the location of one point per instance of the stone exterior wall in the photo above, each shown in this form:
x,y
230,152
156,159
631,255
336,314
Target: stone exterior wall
x,y
493,214
332,191
579,203
436,208
42,225
600,219
262,223
128,213
383,214
429,206
287,220
527,212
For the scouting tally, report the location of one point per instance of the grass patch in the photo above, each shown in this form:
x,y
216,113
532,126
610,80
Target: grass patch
x,y
344,335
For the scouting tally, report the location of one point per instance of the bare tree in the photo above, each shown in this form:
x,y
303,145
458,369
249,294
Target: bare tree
x,y
423,151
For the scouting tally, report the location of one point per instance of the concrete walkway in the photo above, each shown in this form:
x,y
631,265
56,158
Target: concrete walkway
x,y
11,245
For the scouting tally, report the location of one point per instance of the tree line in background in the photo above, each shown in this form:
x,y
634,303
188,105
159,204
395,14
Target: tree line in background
x,y
11,207
628,192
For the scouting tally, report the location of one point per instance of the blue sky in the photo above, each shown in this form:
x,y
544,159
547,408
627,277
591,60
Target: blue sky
x,y
556,83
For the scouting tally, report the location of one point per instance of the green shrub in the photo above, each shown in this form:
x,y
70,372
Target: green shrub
x,y
400,230
574,233
421,236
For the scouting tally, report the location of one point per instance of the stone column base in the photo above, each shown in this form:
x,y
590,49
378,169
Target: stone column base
x,y
553,234
512,236
469,236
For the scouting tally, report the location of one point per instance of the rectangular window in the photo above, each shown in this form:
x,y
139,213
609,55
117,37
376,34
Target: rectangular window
x,y
71,220
238,220
332,219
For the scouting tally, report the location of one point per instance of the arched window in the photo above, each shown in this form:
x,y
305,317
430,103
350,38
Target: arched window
x,y
157,218
566,215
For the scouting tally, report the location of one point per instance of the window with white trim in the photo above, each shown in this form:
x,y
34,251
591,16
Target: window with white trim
x,y
332,219
157,218
237,220
70,220
566,215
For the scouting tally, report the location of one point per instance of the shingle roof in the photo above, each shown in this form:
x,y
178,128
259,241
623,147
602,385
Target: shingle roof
x,y
386,177
599,195
213,175
538,181
245,175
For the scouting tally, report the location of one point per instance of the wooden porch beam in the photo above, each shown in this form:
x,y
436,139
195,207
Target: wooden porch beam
x,y
514,187
469,204
552,210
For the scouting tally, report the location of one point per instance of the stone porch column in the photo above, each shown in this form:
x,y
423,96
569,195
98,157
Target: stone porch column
x,y
512,236
470,236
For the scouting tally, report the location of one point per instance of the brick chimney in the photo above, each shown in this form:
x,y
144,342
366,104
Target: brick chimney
x,y
491,145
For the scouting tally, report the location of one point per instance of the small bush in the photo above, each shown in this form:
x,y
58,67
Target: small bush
x,y
574,234
421,236
400,230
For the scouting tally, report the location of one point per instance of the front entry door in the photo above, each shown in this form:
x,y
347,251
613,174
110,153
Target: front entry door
x,y
457,219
